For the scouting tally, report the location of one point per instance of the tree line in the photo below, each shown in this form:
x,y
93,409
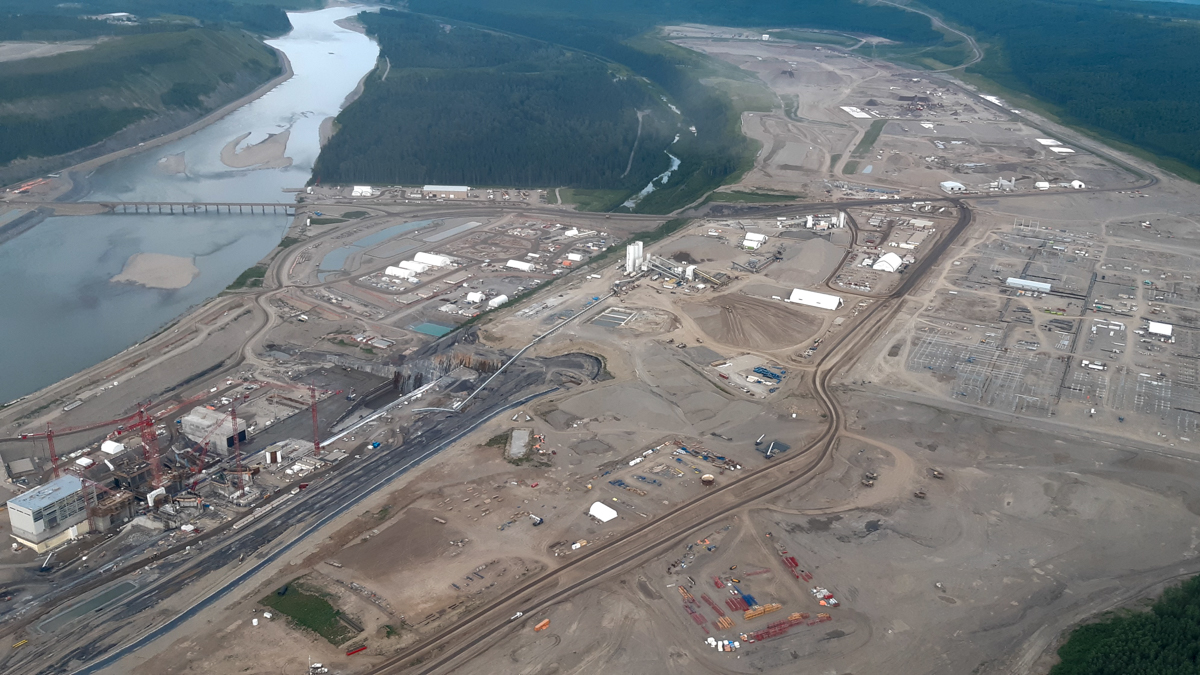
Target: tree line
x,y
1131,69
1162,641
462,105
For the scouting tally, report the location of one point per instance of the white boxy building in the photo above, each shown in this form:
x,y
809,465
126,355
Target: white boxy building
x,y
820,300
49,515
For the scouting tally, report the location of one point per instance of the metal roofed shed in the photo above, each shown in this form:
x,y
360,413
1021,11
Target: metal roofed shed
x,y
447,191
1027,285
811,299
520,265
1157,328
950,186
361,191
602,512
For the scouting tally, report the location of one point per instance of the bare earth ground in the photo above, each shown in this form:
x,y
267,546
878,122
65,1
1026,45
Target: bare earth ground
x,y
15,51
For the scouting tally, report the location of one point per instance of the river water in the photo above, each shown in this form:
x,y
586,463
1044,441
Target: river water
x,y
59,311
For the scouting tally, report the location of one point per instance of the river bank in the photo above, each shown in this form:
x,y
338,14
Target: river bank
x,y
66,264
73,182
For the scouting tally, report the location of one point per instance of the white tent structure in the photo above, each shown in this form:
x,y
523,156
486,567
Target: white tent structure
x,y
602,512
432,259
888,262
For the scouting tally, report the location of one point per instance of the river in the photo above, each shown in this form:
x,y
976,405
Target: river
x,y
61,313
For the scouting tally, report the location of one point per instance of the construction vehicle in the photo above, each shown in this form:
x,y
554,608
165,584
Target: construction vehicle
x,y
920,494
937,474
867,482
871,475
543,625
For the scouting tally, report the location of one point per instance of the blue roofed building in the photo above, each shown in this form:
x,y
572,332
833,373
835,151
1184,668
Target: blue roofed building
x,y
50,514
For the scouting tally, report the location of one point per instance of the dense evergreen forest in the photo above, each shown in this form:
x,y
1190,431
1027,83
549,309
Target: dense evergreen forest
x,y
1163,641
461,105
39,20
1131,69
609,29
180,57
57,104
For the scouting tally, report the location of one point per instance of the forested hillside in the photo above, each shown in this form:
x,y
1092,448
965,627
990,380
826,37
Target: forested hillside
x,y
610,29
1131,69
39,20
1163,641
461,105
57,104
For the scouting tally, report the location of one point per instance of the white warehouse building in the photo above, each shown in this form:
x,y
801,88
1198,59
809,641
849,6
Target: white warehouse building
x,y
446,191
520,265
497,301
432,259
400,272
413,265
811,299
1027,285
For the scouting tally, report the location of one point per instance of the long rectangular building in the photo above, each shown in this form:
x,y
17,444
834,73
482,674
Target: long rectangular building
x,y
811,299
1027,285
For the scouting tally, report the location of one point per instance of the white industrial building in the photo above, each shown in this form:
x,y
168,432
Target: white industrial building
x,y
575,257
112,448
751,244
497,301
1027,285
633,258
362,191
49,515
475,297
400,272
951,186
888,262
201,424
1160,329
520,265
811,299
602,512
417,267
446,191
432,259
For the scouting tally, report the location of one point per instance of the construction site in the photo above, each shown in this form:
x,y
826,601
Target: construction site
x,y
870,431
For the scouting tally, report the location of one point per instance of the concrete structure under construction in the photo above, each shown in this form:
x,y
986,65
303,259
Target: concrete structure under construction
x,y
212,428
1027,285
811,299
518,443
49,515
634,257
